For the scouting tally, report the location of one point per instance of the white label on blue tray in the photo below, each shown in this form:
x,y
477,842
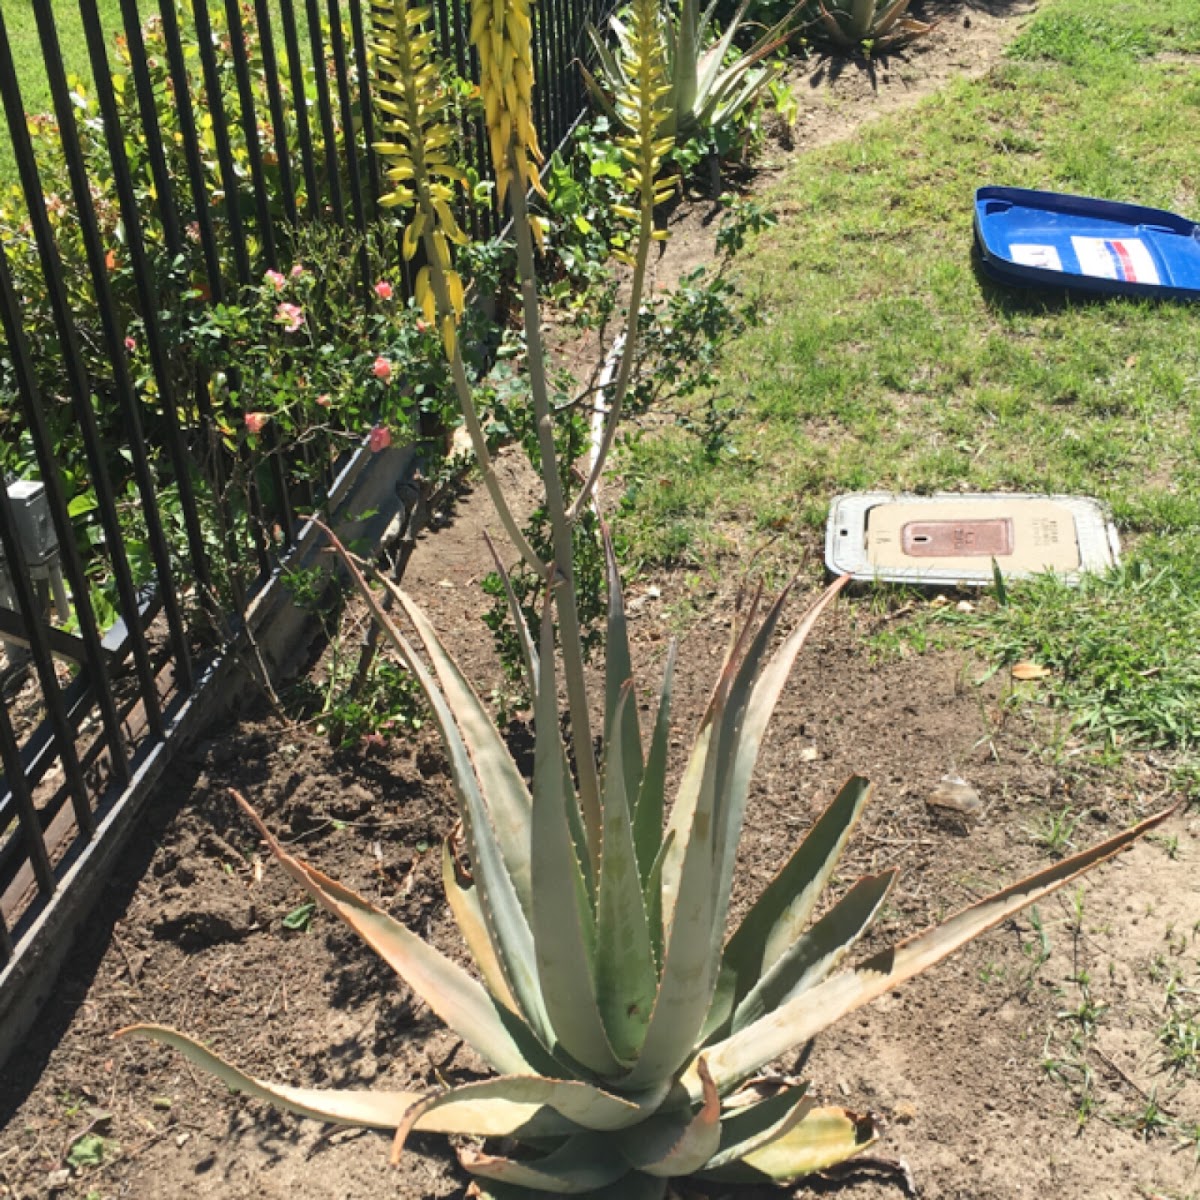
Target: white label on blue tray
x,y
1027,254
1126,259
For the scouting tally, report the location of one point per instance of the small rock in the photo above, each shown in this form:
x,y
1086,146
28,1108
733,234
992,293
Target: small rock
x,y
904,1113
809,754
59,1181
956,794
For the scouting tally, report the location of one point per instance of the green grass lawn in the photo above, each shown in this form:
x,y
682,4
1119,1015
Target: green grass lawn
x,y
29,60
884,360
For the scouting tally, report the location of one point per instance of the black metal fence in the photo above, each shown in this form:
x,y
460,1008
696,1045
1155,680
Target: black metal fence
x,y
206,136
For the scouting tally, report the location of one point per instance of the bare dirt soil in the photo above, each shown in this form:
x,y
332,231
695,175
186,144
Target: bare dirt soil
x,y
977,1070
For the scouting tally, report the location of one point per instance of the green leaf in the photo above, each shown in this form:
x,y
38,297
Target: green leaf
x,y
745,1129
500,902
585,1106
648,816
82,504
689,967
463,898
563,934
458,1000
582,1164
521,1111
814,954
743,1053
785,905
90,1150
750,727
626,976
620,720
505,794
680,1143
821,1138
300,918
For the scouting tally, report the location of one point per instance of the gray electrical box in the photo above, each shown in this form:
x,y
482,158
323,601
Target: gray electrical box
x,y
950,539
31,512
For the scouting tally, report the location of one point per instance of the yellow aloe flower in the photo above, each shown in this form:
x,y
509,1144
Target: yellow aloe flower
x,y
502,33
418,145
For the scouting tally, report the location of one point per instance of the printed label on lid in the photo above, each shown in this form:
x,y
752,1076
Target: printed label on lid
x,y
1027,254
1126,259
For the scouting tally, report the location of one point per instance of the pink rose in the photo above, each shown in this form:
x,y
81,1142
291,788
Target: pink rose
x,y
256,422
276,280
130,345
380,438
324,400
297,270
383,290
382,369
290,316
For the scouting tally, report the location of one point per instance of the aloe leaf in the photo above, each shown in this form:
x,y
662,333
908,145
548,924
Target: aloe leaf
x,y
499,899
506,796
686,63
884,21
764,696
785,905
503,1100
629,1187
689,967
459,1000
746,1130
564,938
821,1138
653,893
529,655
357,1107
834,30
599,94
802,1018
618,677
626,978
709,64
815,953
703,754
675,1144
581,1164
862,17
648,816
468,916
482,1116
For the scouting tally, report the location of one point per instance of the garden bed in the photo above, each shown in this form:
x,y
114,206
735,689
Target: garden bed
x,y
1033,1061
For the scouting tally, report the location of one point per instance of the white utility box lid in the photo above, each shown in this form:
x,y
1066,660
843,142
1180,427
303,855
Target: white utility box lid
x,y
950,539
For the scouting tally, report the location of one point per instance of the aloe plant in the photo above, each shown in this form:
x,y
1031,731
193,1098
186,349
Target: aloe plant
x,y
628,1034
873,25
711,82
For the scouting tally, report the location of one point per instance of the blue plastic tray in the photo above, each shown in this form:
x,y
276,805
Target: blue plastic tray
x,y
1044,239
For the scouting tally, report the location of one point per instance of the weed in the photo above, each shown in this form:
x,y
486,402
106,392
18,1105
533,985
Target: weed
x,y
299,920
90,1150
1168,841
1054,831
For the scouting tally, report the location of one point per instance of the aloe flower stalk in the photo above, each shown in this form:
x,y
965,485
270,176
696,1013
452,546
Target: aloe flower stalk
x,y
419,148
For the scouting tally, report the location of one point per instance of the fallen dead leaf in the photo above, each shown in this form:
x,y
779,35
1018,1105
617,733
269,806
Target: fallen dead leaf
x,y
1030,670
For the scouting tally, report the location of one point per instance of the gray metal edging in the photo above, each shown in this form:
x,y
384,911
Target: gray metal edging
x,y
363,502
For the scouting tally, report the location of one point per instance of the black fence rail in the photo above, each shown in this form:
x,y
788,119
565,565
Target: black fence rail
x,y
134,527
